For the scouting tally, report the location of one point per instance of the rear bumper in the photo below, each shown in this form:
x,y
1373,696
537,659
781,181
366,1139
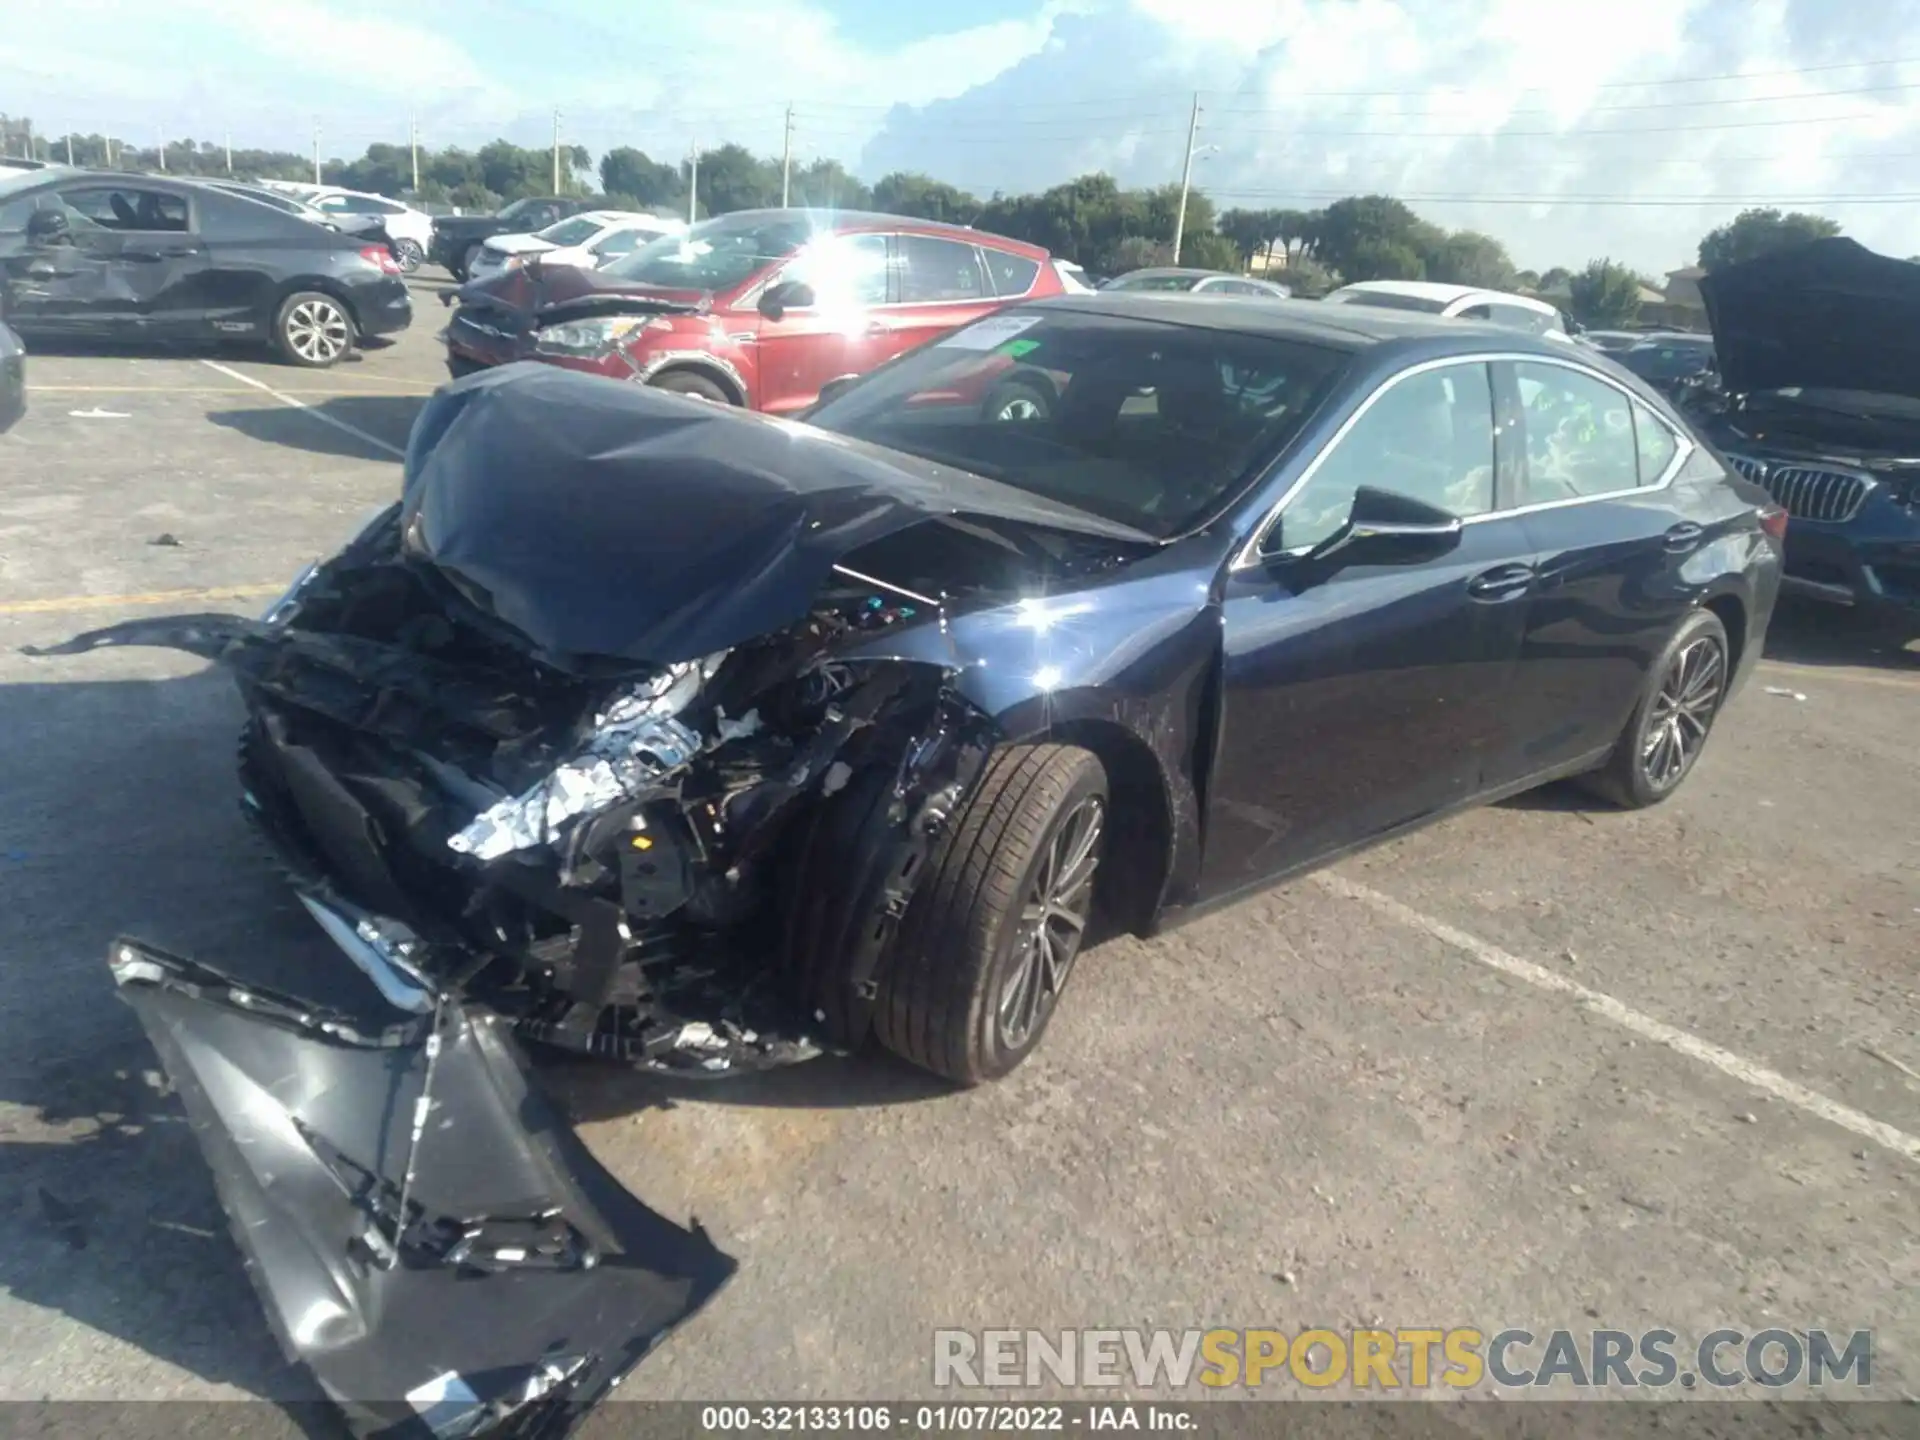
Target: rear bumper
x,y
13,379
383,306
424,1234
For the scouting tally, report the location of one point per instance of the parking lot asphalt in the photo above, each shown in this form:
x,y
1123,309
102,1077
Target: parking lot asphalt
x,y
1545,1065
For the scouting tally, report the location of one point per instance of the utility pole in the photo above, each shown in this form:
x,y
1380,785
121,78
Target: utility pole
x,y
229,144
69,146
316,149
786,160
109,140
413,144
163,152
556,151
1186,178
693,179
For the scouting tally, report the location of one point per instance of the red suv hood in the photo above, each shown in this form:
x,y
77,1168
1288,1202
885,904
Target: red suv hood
x,y
565,291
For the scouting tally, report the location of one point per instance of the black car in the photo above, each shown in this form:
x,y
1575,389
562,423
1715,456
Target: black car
x,y
703,741
138,258
1672,364
458,238
1820,368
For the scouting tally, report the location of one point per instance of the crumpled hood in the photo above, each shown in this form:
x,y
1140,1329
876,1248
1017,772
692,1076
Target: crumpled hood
x,y
519,244
1828,315
535,292
605,519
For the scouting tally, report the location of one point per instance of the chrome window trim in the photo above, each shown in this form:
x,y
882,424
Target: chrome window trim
x,y
1248,557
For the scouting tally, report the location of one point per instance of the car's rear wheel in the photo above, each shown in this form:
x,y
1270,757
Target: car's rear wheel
x,y
1668,730
467,258
408,255
991,934
312,329
688,382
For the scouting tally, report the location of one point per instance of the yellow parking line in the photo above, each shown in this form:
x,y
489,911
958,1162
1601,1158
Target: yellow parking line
x,y
56,603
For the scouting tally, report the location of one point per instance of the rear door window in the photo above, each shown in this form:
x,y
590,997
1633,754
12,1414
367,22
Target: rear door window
x,y
933,270
1579,434
126,207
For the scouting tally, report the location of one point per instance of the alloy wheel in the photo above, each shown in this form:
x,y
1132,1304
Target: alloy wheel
x,y
408,255
318,331
1053,922
1682,712
1018,407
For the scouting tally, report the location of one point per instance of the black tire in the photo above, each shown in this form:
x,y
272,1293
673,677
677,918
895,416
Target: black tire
x,y
313,330
1640,771
1019,401
467,257
688,382
944,1000
408,255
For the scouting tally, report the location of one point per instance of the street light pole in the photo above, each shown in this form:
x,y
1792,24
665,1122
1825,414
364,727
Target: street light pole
x,y
786,161
1186,178
693,179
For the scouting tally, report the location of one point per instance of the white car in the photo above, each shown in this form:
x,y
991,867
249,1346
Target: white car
x,y
587,240
411,229
1460,302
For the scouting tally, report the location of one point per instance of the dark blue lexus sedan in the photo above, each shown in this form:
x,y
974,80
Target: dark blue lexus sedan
x,y
703,741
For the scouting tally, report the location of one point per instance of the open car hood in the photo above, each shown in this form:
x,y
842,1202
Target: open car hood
x,y
1830,315
439,1250
603,519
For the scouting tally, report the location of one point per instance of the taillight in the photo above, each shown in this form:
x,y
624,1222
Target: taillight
x,y
380,258
1773,520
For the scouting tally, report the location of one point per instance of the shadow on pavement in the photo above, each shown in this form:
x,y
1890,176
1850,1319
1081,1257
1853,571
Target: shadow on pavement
x,y
1808,633
318,430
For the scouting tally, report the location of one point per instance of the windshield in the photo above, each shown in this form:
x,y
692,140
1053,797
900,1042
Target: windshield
x,y
576,231
518,208
1148,424
1155,282
715,254
1387,300
1667,362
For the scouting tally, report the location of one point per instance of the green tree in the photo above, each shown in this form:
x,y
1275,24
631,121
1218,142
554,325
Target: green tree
x,y
1137,252
826,184
1552,279
1467,257
648,182
1306,277
1210,250
1251,231
908,193
733,178
1373,237
1757,232
1604,294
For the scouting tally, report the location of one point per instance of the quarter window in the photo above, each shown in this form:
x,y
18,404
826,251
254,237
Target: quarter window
x,y
1579,433
1011,274
1428,436
934,269
1656,443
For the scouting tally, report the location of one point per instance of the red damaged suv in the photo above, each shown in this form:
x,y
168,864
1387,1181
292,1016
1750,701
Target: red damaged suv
x,y
760,308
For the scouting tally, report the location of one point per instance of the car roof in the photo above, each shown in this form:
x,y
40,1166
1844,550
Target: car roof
x,y
1158,270
1351,328
1445,294
853,221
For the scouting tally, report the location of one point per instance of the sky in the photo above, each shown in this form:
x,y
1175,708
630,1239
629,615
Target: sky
x,y
1569,129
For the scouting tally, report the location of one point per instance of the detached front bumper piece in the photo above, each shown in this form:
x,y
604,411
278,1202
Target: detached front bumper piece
x,y
425,1234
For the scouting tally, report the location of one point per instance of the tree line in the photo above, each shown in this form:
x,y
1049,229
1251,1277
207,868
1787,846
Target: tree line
x,y
1091,219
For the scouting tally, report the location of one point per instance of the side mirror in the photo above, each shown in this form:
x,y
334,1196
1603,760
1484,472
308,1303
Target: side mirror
x,y
835,388
1383,528
784,296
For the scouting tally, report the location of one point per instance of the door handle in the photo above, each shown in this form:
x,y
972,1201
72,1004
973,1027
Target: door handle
x,y
1503,582
879,327
1683,537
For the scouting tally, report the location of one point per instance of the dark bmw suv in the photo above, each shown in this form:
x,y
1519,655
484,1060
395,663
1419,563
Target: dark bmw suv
x,y
1820,370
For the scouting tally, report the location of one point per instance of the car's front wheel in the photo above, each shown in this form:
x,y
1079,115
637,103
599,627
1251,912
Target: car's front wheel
x,y
991,934
1668,729
312,329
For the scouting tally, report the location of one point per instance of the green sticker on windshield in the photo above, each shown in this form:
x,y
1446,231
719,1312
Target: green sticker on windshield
x,y
1017,348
